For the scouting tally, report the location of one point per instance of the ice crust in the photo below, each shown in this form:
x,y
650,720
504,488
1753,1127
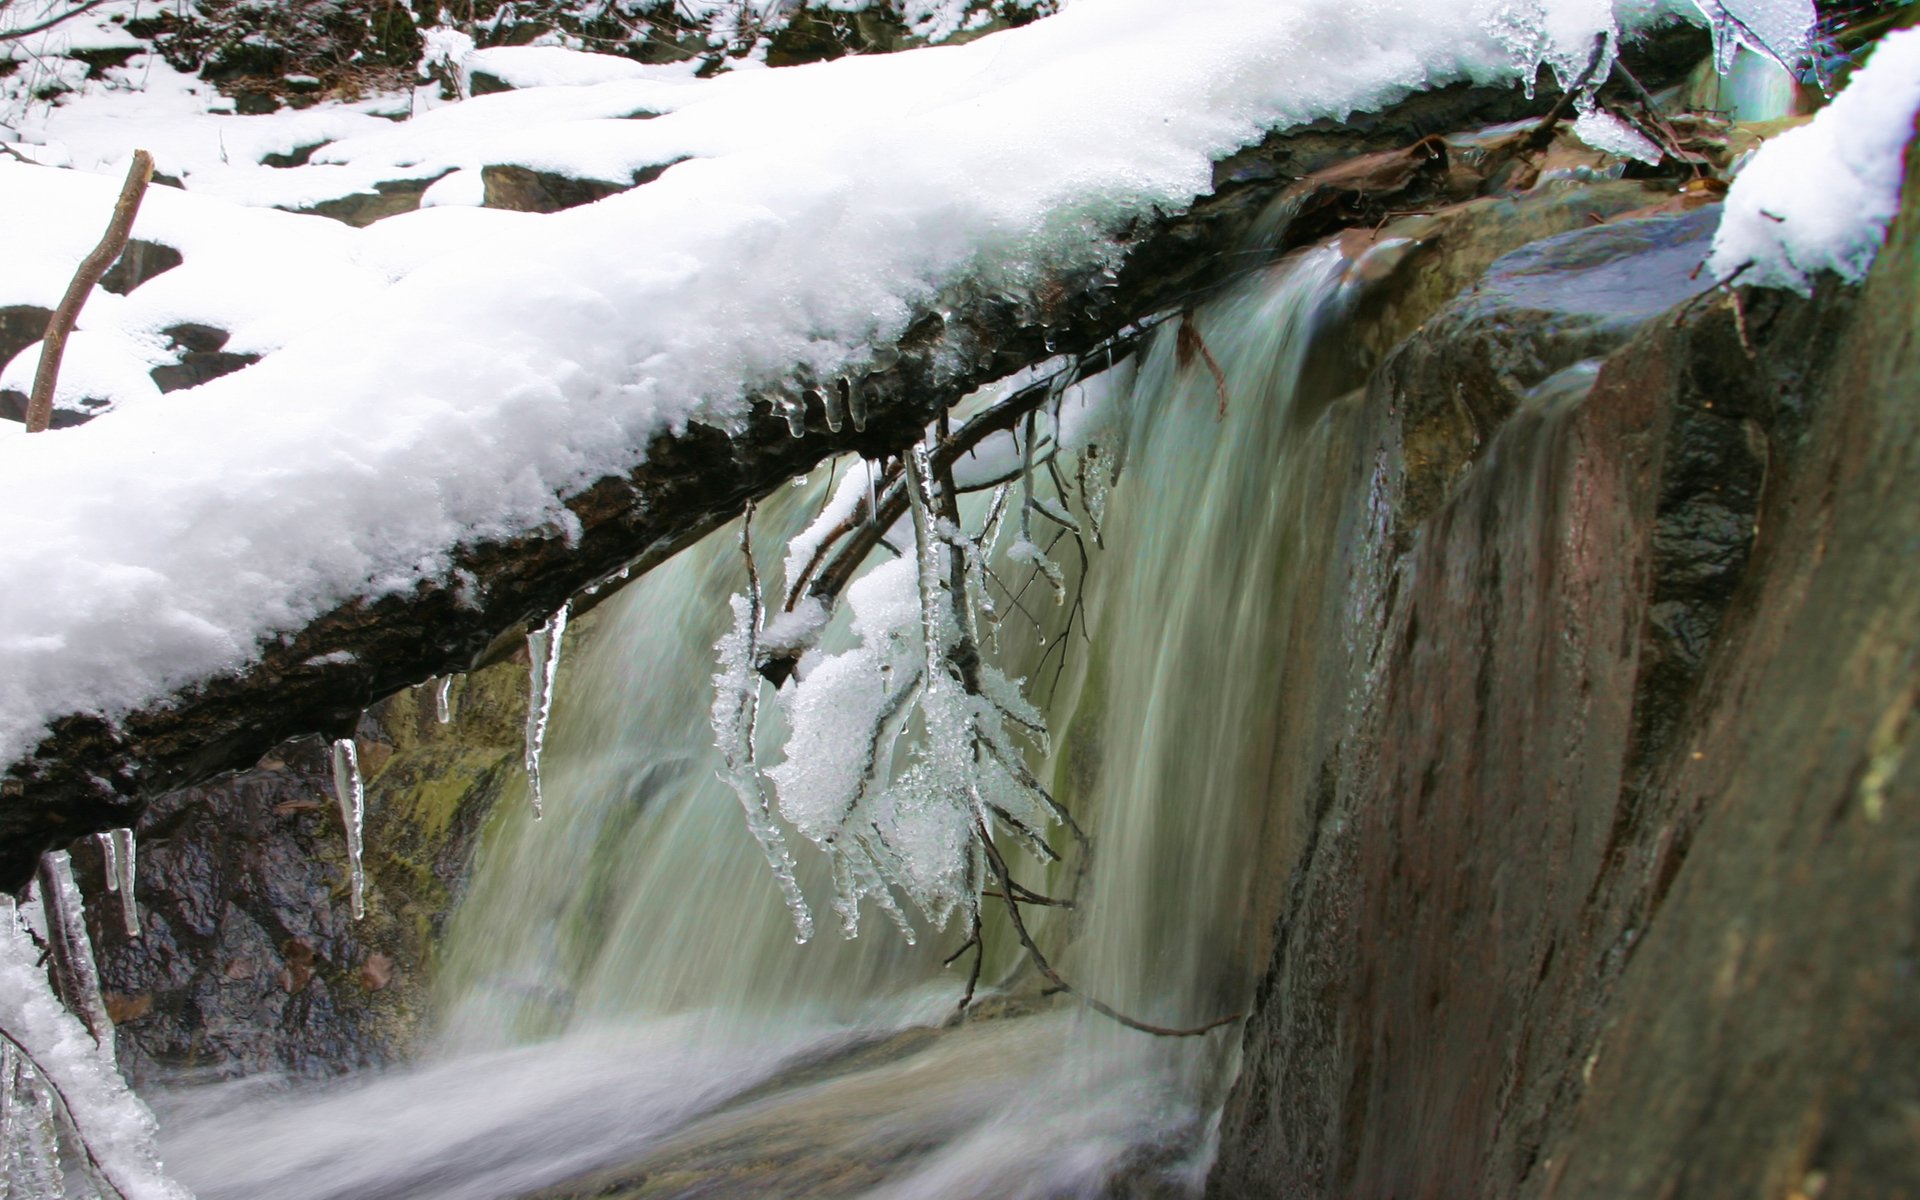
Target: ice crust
x,y
453,374
1819,197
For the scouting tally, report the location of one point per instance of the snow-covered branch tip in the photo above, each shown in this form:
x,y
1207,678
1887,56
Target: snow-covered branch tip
x,y
50,21
53,1071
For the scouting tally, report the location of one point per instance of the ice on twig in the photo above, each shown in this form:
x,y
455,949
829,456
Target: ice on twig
x,y
56,1068
736,706
543,652
350,791
907,746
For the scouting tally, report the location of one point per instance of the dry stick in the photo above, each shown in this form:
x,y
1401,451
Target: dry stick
x,y
1542,135
1188,345
40,407
11,35
1662,126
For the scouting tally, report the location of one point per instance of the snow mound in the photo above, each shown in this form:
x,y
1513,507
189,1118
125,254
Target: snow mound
x,y
1820,197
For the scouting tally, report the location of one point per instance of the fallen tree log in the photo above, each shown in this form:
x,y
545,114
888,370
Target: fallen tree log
x,y
91,773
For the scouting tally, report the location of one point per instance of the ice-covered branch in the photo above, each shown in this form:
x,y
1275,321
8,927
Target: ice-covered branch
x,y
49,1048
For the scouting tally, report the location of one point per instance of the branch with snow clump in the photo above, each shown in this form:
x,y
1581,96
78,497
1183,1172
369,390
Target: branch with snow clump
x,y
1819,198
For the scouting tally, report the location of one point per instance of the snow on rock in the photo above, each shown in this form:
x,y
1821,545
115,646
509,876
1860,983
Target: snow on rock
x,y
458,382
1819,197
549,66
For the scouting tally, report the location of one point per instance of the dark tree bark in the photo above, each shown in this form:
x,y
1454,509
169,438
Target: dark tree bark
x,y
90,774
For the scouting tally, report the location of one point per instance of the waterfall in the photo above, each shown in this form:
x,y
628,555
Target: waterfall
x,y
621,1002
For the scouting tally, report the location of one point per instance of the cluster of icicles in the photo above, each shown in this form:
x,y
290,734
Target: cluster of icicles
x,y
350,790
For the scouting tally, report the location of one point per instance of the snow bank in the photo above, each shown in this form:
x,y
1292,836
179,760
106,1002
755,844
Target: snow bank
x,y
462,394
1820,197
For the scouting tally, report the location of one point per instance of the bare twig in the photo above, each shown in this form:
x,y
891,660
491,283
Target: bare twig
x,y
12,35
1040,963
1190,345
40,406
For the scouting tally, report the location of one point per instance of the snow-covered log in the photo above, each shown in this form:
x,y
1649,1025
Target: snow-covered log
x,y
90,774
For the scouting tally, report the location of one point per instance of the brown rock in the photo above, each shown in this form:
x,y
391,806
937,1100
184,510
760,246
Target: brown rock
x,y
376,972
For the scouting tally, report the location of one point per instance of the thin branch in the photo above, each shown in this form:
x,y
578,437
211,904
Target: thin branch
x,y
1542,134
14,35
86,1147
1054,977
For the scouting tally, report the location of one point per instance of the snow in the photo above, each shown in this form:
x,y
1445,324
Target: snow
x,y
549,66
1610,135
455,374
1819,197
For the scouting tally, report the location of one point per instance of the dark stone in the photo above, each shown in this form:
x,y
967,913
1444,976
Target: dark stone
x,y
21,325
816,35
523,189
251,102
481,83
13,407
201,358
297,157
387,199
139,262
249,960
1537,311
101,60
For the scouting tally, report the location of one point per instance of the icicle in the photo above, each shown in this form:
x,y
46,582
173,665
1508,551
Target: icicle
x,y
351,793
735,714
443,699
543,649
857,403
69,948
830,404
109,860
123,865
793,407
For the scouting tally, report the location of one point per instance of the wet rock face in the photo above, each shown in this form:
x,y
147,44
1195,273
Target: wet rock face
x,y
249,960
1609,882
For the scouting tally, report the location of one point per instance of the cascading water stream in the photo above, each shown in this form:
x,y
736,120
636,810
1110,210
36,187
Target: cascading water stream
x,y
621,1003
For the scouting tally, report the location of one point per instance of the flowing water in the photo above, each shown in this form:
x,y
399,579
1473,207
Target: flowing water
x,y
622,1008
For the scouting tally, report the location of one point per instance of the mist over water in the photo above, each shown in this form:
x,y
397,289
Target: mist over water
x,y
620,996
